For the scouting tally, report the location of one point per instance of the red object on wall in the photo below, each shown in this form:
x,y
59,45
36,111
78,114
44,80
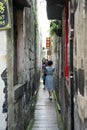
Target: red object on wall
x,y
48,42
67,40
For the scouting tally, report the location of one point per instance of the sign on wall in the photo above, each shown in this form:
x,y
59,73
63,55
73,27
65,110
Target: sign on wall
x,y
4,15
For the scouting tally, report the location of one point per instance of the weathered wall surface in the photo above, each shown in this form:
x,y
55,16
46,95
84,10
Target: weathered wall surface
x,y
10,68
23,75
3,85
80,64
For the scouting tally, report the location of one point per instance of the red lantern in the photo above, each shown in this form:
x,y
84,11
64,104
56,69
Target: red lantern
x,y
48,42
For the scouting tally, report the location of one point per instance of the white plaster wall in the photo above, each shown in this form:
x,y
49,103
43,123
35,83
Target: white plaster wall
x,y
3,46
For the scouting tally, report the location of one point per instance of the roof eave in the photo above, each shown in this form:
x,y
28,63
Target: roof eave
x,y
55,8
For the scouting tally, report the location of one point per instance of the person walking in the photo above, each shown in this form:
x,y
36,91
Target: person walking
x,y
49,82
44,65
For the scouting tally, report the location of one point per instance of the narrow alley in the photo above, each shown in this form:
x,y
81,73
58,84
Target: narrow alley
x,y
45,115
32,31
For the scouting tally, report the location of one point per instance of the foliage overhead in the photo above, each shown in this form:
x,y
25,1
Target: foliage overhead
x,y
55,28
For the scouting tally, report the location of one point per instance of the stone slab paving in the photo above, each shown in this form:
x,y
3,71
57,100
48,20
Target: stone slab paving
x,y
45,115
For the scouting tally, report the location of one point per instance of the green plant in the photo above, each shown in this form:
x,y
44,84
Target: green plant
x,y
55,28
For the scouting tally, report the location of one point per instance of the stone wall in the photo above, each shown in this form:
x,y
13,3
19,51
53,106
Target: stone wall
x,y
23,75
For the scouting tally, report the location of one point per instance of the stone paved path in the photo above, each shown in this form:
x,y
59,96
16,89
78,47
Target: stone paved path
x,y
45,112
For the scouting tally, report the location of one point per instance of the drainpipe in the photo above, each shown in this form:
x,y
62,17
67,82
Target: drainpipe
x,y
71,69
